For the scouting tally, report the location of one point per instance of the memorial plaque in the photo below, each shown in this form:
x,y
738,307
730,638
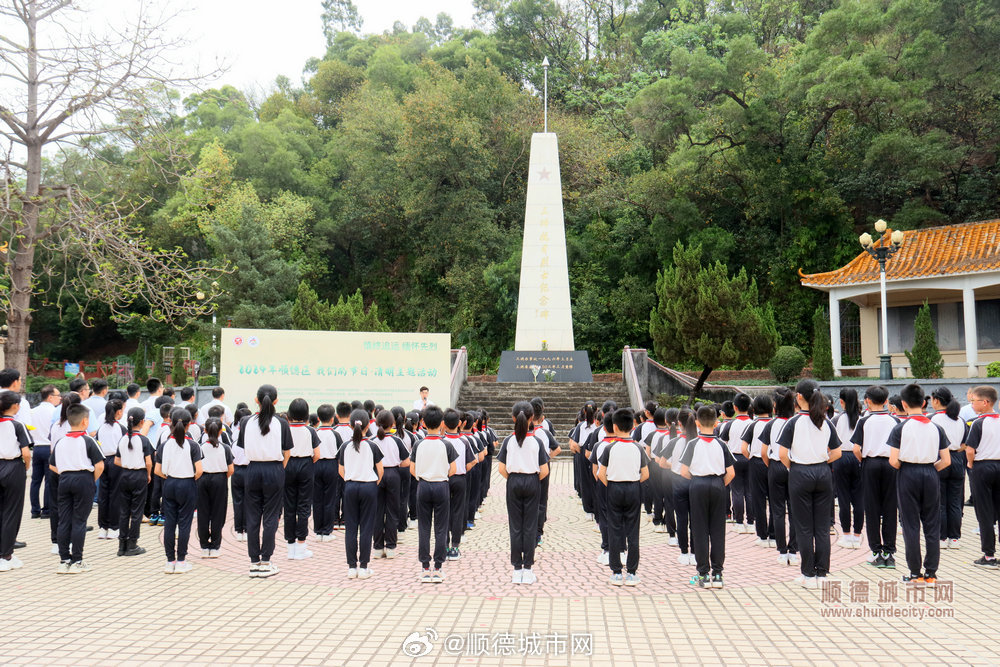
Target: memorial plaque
x,y
568,366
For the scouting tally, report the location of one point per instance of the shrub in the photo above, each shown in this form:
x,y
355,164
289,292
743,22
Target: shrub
x,y
822,354
925,357
993,370
787,363
34,383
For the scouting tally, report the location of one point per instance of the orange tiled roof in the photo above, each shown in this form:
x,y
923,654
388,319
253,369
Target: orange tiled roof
x,y
970,247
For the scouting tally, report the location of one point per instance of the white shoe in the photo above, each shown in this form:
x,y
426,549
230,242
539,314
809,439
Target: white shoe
x,y
953,544
265,570
478,516
390,553
102,534
63,568
806,582
364,573
516,578
78,567
241,537
411,523
772,544
301,552
528,577
213,553
206,553
352,573
672,542
112,534
182,566
5,565
603,559
794,559
169,567
762,542
54,549
292,550
845,542
15,563
782,559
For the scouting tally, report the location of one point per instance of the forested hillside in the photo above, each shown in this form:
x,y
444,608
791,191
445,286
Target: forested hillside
x,y
769,132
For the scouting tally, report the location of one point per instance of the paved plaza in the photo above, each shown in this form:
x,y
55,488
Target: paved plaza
x,y
126,610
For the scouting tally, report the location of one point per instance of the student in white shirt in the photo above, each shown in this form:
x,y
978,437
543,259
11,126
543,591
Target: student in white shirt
x,y
299,479
878,478
946,415
753,450
731,433
107,436
15,460
457,482
983,458
432,463
777,478
135,461
155,389
919,449
267,441
213,487
360,464
132,392
78,461
395,459
809,444
326,473
178,463
847,472
623,467
238,481
42,416
523,461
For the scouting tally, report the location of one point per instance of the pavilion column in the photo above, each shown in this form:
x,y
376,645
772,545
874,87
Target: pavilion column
x,y
971,334
835,331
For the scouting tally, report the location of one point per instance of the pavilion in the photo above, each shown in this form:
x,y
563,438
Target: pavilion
x,y
955,268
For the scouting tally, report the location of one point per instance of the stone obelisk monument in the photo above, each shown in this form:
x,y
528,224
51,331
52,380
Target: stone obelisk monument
x,y
544,317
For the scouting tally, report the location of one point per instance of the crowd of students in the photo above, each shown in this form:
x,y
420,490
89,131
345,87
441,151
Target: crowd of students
x,y
374,473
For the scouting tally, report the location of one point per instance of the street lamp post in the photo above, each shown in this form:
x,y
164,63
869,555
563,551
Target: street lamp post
x,y
882,253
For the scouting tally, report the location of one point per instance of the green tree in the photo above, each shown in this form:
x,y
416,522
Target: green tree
x,y
710,317
311,313
822,353
925,357
339,16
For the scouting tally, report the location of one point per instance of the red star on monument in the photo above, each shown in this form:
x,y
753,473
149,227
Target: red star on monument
x,y
543,175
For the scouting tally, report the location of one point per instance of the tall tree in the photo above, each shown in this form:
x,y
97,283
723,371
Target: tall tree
x,y
70,89
708,316
340,16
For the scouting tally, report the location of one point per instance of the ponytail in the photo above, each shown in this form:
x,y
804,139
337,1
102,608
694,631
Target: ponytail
x,y
952,410
111,409
135,417
359,421
179,420
213,427
522,413
385,421
809,390
68,400
266,396
588,413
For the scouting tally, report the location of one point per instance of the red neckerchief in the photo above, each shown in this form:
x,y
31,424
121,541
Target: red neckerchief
x,y
432,437
920,418
705,438
453,436
742,417
297,424
991,415
6,419
75,434
663,430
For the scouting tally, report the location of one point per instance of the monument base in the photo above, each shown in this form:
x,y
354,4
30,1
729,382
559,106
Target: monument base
x,y
569,366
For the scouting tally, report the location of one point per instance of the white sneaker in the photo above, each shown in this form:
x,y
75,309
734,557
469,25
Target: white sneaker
x,y
845,542
54,549
805,582
5,565
301,552
772,544
265,570
411,523
478,516
762,543
213,553
182,566
292,550
953,544
241,537
794,559
352,573
364,573
15,563
102,534
672,542
206,553
63,568
782,559
169,567
390,553
603,559
112,534
528,577
516,578
78,567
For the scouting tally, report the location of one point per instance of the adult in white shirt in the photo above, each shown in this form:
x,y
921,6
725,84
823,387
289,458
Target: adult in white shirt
x,y
132,391
423,402
41,419
218,396
98,398
155,389
968,412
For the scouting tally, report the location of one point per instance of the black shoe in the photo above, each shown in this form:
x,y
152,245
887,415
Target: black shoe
x,y
46,514
913,578
889,563
122,547
90,528
19,545
36,515
134,550
879,561
988,563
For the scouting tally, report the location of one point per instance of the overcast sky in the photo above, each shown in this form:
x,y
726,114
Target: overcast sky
x,y
260,39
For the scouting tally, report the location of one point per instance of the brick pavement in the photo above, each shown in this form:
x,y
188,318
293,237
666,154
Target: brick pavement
x,y
127,611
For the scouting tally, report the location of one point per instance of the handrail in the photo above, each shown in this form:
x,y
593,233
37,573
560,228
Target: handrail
x,y
459,373
631,379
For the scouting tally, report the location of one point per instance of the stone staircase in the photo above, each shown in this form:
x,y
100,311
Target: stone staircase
x,y
563,401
